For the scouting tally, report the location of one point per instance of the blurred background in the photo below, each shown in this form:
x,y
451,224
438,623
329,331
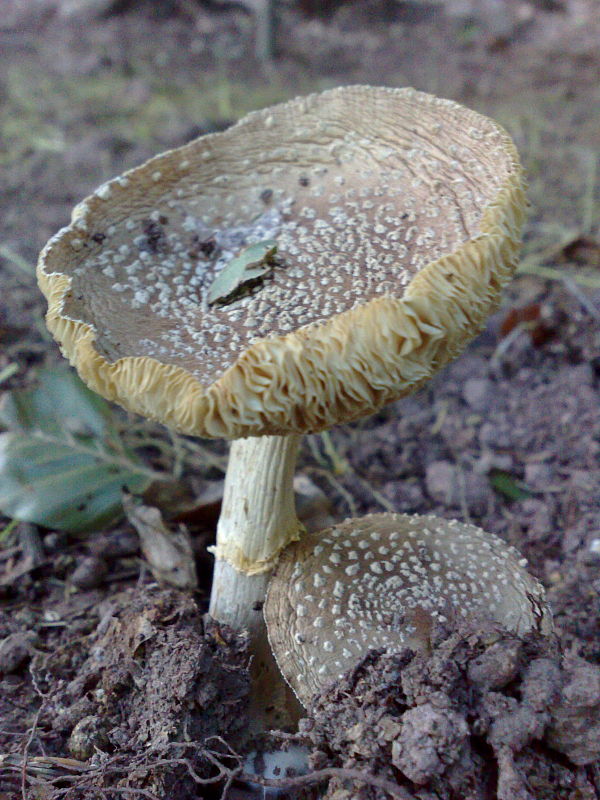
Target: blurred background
x,y
89,88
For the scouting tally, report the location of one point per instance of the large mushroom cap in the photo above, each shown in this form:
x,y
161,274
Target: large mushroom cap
x,y
381,581
396,218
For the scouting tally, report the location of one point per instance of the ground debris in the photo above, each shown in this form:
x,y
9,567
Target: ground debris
x,y
15,650
168,553
482,716
157,684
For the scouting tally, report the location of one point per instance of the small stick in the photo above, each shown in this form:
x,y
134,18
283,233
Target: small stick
x,y
392,789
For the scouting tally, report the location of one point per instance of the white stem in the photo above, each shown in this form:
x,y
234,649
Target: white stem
x,y
258,519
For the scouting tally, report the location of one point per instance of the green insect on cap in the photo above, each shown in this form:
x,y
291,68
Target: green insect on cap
x,y
254,262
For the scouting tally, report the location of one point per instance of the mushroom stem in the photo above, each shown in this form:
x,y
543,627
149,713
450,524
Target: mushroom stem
x,y
258,519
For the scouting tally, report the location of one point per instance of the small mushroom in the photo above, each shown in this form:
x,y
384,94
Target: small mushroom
x,y
382,224
382,581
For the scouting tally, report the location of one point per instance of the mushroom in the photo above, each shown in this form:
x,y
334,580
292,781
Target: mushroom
x,y
313,262
382,581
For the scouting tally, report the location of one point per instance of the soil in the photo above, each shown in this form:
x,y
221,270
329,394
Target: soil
x,y
112,686
482,716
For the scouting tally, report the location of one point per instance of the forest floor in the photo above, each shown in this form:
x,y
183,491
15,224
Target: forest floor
x,y
507,437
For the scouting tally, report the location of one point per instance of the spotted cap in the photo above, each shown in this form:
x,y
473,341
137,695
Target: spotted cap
x,y
395,217
382,581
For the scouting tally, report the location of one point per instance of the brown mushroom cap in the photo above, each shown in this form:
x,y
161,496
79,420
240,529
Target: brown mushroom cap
x,y
381,581
397,218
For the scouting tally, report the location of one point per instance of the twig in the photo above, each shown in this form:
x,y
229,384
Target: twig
x,y
167,762
571,285
26,752
339,463
107,790
462,492
337,486
17,260
591,173
504,345
31,545
8,371
393,789
531,266
380,498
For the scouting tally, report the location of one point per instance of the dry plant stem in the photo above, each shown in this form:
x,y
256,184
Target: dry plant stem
x,y
258,519
393,789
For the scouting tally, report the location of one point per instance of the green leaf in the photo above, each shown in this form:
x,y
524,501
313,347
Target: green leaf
x,y
61,462
60,402
252,263
509,486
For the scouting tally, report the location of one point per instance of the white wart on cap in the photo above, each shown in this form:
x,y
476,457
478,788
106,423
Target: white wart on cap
x,y
397,220
379,581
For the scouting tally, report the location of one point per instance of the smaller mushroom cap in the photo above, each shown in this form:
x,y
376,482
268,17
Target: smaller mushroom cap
x,y
381,581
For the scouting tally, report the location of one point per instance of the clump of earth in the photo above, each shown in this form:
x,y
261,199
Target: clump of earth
x,y
485,714
155,698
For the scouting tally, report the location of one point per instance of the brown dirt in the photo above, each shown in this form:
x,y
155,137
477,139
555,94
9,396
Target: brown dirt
x,y
152,692
507,437
484,715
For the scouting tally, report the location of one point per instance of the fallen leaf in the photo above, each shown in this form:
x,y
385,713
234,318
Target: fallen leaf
x,y
168,553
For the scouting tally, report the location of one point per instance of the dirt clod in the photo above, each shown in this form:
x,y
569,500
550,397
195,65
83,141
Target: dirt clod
x,y
483,715
154,682
88,736
89,572
430,740
575,719
15,650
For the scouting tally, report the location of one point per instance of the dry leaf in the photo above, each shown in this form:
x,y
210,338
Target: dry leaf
x,y
168,553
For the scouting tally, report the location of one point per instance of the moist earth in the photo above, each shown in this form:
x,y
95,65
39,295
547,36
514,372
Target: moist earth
x,y
484,714
111,686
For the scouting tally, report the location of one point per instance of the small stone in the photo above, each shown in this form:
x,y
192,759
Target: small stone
x,y
89,572
539,476
497,665
495,435
54,541
537,517
489,460
115,544
447,485
477,393
441,482
406,495
87,737
15,650
573,377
